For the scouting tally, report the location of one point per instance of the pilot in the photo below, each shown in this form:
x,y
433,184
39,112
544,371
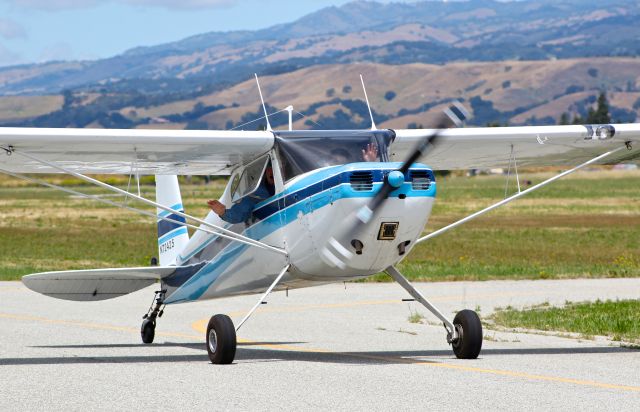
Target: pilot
x,y
369,154
340,156
241,211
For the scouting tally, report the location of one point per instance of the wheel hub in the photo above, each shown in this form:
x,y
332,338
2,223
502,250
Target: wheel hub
x,y
213,341
458,340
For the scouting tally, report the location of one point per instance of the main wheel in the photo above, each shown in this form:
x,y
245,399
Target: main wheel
x,y
469,329
221,340
148,331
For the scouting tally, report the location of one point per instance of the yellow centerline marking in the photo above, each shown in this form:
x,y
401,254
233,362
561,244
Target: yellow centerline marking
x,y
89,325
200,326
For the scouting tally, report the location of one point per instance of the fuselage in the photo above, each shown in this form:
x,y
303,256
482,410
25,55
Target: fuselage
x,y
301,217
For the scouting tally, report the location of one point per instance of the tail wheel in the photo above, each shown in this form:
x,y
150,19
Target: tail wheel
x,y
221,340
148,330
469,329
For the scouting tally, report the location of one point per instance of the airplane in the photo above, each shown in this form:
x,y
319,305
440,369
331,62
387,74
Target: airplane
x,y
343,204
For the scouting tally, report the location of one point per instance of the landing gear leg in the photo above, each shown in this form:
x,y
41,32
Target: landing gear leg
x,y
221,334
464,334
148,328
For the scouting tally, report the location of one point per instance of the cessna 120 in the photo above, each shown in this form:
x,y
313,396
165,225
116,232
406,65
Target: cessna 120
x,y
342,206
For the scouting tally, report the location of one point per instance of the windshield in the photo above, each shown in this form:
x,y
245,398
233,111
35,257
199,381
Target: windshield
x,y
303,151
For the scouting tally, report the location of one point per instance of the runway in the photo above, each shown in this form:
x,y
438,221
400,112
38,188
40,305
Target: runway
x,y
339,347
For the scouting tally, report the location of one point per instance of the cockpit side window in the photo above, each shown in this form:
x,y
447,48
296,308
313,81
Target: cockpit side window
x,y
248,181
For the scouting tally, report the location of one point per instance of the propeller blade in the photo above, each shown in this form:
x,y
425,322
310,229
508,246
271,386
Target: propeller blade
x,y
336,252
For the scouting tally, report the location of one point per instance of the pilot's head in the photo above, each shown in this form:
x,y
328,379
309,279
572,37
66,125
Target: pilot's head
x,y
268,175
340,156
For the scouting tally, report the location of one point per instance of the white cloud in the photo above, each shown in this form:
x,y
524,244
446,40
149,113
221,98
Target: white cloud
x,y
80,4
9,29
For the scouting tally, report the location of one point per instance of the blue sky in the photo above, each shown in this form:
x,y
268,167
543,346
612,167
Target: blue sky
x,y
43,30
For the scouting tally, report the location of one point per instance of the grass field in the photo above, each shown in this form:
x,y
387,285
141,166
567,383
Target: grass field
x,y
585,226
615,319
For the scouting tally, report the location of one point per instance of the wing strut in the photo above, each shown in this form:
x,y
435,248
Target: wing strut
x,y
262,298
122,206
516,196
218,230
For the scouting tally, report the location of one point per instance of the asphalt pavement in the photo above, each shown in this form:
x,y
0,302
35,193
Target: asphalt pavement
x,y
338,347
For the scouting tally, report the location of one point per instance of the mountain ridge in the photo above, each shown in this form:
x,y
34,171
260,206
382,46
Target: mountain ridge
x,y
390,33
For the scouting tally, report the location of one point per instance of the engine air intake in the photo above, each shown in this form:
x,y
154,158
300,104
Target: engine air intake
x,y
420,180
361,181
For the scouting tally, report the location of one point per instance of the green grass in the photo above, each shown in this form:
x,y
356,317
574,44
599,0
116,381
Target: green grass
x,y
585,226
615,319
415,317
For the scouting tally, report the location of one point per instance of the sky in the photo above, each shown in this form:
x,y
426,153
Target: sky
x,y
44,30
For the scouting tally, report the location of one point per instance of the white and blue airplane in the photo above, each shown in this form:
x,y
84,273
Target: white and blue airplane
x,y
344,205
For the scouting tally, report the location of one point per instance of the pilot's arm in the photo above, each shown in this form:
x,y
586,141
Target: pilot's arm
x,y
241,211
238,213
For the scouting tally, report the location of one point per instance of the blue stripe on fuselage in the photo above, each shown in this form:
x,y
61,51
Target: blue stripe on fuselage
x,y
329,178
196,285
284,208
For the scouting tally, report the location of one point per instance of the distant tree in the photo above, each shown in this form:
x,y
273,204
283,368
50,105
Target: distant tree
x,y
68,99
630,86
390,95
346,89
506,123
197,125
574,89
601,114
330,92
564,119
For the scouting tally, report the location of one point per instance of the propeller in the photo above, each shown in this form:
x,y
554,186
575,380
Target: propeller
x,y
337,252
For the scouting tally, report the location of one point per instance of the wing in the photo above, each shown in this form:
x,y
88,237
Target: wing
x,y
471,148
145,152
98,284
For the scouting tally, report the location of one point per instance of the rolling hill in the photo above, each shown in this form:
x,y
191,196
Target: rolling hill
x,y
433,32
523,62
330,96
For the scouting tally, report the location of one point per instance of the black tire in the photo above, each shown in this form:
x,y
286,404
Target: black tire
x,y
221,340
468,345
148,331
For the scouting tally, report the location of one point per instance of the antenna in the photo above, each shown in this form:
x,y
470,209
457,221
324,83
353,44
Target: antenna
x,y
373,124
290,110
264,107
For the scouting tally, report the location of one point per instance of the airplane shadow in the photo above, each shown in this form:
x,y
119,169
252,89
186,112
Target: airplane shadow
x,y
251,352
199,345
